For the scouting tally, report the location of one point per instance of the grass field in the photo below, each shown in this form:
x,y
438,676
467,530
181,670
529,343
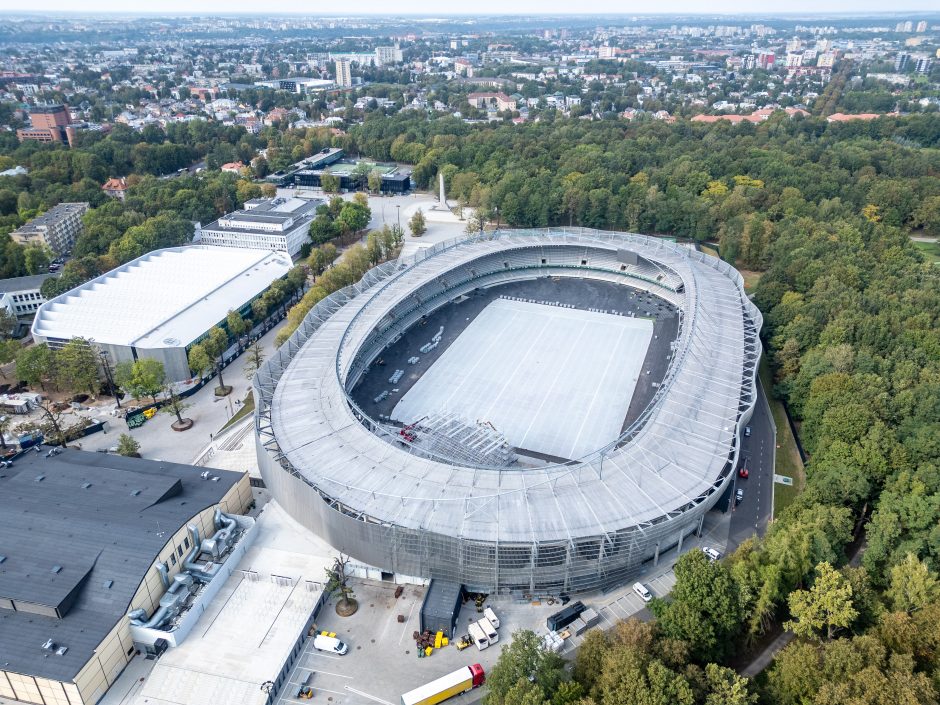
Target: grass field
x,y
931,249
788,460
247,407
708,249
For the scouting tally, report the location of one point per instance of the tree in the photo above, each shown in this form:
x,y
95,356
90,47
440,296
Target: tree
x,y
912,585
143,377
176,406
726,687
825,608
37,259
8,352
128,446
52,425
236,324
705,609
523,660
337,583
8,323
215,345
77,366
35,365
417,224
199,360
375,180
254,358
329,183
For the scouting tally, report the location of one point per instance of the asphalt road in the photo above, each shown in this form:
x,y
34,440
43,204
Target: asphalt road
x,y
757,454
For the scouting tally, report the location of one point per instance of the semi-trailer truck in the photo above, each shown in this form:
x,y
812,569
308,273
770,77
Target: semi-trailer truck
x,y
460,681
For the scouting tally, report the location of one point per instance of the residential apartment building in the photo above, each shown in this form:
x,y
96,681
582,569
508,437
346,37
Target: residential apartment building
x,y
500,101
387,55
276,224
343,73
57,228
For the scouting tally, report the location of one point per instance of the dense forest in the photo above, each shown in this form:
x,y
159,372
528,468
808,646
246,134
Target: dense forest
x,y
852,331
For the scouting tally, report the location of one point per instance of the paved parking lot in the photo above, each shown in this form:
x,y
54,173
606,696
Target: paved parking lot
x,y
382,662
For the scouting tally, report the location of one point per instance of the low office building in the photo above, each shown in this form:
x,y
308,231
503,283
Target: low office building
x,y
91,543
279,224
161,304
56,229
21,296
48,125
394,179
323,158
298,84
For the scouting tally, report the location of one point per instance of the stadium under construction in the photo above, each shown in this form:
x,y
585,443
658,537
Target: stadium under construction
x,y
536,411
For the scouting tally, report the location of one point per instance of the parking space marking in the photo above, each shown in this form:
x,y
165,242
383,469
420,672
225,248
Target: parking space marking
x,y
366,695
314,652
404,629
313,670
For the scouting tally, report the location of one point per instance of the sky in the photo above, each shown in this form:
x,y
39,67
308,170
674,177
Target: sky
x,y
427,7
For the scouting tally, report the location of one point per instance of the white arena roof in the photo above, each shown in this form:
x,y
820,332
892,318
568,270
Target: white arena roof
x,y
166,298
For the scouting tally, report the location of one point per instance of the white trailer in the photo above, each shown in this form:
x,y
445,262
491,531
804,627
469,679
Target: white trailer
x,y
478,636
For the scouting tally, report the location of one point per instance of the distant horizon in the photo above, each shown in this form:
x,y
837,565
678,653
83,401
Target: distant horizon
x,y
422,8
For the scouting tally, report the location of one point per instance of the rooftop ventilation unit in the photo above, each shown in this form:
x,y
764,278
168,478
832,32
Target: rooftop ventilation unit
x,y
56,569
61,651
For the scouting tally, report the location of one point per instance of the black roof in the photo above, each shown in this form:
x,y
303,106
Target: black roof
x,y
78,532
15,284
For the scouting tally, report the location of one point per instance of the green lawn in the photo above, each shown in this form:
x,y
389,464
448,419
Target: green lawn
x,y
931,249
788,460
247,407
708,249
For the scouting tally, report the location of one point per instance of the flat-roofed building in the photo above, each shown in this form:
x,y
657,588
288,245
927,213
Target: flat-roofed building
x,y
279,224
48,124
161,304
88,543
22,297
56,229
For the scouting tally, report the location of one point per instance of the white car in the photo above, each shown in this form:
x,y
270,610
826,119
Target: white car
x,y
640,589
712,554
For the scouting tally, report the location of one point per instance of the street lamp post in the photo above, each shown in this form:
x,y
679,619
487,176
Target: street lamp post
x,y
398,207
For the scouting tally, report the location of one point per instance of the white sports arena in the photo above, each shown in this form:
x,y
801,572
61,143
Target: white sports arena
x,y
534,411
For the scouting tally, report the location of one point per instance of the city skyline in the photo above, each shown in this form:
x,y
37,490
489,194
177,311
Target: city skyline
x,y
492,7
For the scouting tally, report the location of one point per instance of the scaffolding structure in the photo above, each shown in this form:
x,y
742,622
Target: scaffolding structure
x,y
445,434
447,512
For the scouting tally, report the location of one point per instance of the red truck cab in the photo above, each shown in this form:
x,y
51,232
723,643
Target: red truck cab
x,y
476,675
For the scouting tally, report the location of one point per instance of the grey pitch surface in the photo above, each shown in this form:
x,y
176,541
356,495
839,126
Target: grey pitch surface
x,y
552,380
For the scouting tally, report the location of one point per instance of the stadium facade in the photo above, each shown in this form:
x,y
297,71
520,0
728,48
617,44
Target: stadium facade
x,y
575,526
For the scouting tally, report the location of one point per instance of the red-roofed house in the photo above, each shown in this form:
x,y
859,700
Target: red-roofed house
x,y
843,117
115,188
233,167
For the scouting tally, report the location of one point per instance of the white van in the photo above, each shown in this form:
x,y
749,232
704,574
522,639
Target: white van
x,y
640,589
329,644
489,630
478,636
491,615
